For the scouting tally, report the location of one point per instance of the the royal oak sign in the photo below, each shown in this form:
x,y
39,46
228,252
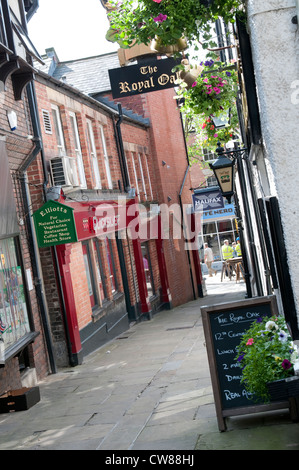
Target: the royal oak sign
x,y
152,75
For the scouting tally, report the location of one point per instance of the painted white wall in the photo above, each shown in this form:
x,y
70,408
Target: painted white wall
x,y
275,50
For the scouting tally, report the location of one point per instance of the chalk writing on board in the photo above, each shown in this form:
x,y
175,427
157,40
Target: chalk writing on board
x,y
227,329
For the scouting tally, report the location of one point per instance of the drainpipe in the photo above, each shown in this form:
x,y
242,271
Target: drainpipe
x,y
32,242
120,146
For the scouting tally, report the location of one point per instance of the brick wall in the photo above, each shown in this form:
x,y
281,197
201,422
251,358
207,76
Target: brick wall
x,y
19,147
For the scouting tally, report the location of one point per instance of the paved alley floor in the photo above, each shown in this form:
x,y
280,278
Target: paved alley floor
x,y
148,389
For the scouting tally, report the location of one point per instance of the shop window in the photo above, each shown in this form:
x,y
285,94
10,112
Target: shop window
x,y
14,320
214,233
148,269
89,275
111,264
100,270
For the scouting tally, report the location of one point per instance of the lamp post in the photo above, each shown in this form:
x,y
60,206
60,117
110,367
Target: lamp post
x,y
224,171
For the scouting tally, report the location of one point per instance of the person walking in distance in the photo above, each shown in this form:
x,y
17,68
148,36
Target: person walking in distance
x,y
227,253
209,258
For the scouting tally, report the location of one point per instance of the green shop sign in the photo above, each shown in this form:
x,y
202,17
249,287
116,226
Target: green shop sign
x,y
54,224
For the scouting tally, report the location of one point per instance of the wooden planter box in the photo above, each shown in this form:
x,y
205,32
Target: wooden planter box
x,y
19,400
284,388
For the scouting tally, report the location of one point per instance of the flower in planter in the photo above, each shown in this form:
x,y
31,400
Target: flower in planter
x,y
266,354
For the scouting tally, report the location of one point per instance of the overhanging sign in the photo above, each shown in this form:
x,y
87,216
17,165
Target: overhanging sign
x,y
154,75
207,199
54,224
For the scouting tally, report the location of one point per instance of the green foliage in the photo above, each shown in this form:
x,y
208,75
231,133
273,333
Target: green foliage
x,y
213,92
139,20
266,353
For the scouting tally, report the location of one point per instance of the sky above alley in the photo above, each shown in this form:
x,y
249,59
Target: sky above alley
x,y
74,28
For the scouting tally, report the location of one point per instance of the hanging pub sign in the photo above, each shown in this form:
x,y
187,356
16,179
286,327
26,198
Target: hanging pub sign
x,y
152,75
54,224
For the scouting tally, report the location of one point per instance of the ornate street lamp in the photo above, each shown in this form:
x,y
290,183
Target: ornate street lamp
x,y
223,169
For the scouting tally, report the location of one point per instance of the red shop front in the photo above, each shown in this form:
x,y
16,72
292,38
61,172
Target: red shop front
x,y
104,279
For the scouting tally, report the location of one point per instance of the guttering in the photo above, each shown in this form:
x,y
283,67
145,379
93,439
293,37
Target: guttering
x,y
120,146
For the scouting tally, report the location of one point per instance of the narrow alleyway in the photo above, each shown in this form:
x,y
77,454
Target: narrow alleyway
x,y
148,389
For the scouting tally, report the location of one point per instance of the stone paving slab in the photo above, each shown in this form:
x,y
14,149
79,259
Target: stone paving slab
x,y
149,389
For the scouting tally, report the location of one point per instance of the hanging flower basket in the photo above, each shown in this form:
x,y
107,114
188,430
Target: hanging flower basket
x,y
170,20
213,91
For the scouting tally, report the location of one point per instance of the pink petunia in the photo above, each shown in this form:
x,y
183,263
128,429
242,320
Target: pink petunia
x,y
215,135
160,18
157,1
250,342
205,80
217,90
194,84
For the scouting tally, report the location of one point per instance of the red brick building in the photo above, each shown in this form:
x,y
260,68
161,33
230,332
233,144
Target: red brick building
x,y
25,337
108,160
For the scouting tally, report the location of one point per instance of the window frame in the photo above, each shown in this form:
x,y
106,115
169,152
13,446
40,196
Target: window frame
x,y
112,272
142,176
78,150
93,154
58,130
106,158
92,275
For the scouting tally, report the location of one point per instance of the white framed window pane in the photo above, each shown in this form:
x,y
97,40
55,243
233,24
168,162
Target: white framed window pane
x,y
135,175
78,150
93,155
58,130
142,175
148,177
106,159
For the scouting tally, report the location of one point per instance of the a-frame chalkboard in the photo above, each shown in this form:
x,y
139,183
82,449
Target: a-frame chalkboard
x,y
224,325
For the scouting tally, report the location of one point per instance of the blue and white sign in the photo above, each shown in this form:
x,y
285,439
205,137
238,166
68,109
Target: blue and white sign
x,y
207,199
227,212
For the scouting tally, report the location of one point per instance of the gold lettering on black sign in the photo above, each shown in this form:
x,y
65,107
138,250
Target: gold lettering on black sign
x,y
141,86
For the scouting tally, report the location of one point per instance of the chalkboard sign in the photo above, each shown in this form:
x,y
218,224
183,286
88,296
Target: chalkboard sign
x,y
224,325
